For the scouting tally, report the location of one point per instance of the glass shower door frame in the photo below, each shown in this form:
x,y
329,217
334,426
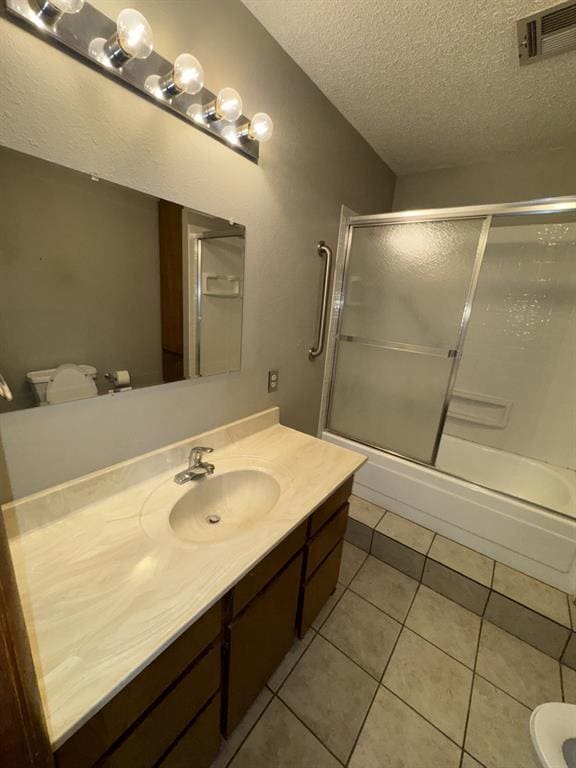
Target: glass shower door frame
x,y
347,226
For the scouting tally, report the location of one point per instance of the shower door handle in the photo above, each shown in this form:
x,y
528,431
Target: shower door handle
x,y
326,252
5,389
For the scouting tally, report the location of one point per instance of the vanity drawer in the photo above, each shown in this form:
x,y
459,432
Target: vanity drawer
x,y
326,539
200,744
327,509
319,588
150,739
259,639
266,569
106,726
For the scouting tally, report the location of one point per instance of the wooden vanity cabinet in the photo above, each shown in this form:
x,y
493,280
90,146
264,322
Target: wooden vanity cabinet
x,y
172,714
323,554
141,722
262,625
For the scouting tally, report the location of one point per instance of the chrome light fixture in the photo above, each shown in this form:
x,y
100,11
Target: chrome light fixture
x,y
186,76
132,40
176,86
260,129
50,11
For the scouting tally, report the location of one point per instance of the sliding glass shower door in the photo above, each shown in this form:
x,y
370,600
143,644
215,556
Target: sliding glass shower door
x,y
406,296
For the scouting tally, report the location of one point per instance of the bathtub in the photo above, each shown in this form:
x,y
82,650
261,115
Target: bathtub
x,y
517,533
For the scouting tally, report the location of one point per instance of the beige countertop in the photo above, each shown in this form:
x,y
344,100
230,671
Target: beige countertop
x,y
102,598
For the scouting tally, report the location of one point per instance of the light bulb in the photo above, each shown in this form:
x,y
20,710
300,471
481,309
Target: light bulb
x,y
261,127
228,105
230,134
152,85
68,6
52,10
133,40
196,113
188,73
134,34
187,76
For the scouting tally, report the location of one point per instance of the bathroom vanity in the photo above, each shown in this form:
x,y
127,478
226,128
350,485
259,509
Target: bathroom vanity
x,y
154,629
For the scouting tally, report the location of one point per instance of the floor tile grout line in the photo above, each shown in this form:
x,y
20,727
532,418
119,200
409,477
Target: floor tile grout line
x,y
254,724
478,641
503,690
413,708
356,664
490,590
308,728
402,624
490,587
315,632
400,621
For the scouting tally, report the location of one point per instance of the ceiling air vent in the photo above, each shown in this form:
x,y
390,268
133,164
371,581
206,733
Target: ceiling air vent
x,y
547,33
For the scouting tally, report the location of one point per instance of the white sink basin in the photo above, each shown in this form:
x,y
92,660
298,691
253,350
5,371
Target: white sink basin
x,y
229,503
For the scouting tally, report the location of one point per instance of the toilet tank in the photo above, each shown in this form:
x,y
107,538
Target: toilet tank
x,y
39,380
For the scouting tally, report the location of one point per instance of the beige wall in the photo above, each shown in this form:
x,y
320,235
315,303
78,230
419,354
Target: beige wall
x,y
80,269
316,161
509,178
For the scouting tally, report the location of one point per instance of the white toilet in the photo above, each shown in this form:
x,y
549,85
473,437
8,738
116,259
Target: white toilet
x,y
63,384
553,732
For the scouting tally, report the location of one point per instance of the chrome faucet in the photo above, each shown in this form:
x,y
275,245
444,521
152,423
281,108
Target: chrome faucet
x,y
197,468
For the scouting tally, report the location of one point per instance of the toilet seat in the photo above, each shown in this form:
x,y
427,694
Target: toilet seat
x,y
550,726
68,383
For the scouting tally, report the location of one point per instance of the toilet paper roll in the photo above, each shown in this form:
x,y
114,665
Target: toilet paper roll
x,y
121,378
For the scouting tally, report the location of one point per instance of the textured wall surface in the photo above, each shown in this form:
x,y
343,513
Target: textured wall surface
x,y
72,115
80,268
520,341
430,84
508,178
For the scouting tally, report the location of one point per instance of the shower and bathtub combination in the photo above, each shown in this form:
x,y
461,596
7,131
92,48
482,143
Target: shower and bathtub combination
x,y
451,364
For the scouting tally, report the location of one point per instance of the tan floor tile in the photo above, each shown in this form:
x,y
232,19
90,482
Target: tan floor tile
x,y
470,762
359,535
362,632
352,559
569,683
230,746
394,736
541,597
365,512
406,532
520,670
447,625
279,740
499,729
330,694
386,587
436,685
544,634
327,607
461,559
289,661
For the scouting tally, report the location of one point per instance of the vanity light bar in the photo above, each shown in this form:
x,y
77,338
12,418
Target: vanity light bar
x,y
124,49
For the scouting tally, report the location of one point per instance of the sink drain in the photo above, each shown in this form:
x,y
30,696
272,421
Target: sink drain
x,y
213,519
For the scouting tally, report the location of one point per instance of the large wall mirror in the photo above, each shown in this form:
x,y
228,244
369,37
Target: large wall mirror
x,y
104,289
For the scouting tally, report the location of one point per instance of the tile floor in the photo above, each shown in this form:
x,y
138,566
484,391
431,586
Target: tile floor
x,y
394,674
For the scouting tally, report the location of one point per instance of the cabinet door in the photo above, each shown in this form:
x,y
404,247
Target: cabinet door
x,y
154,734
259,639
201,742
319,588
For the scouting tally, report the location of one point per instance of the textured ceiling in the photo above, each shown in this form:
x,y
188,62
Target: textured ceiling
x,y
429,83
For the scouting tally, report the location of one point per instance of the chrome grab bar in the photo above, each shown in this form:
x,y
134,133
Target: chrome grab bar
x,y
318,348
5,389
